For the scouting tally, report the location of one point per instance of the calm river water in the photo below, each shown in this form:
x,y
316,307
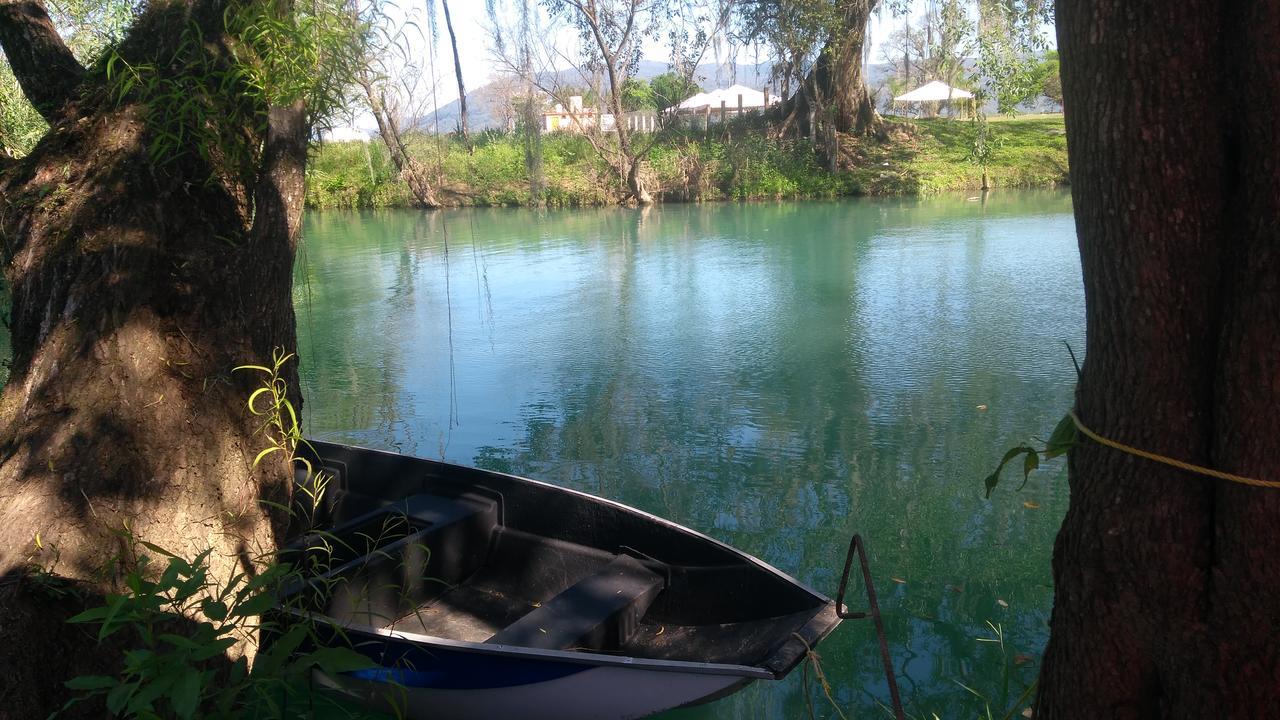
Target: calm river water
x,y
775,375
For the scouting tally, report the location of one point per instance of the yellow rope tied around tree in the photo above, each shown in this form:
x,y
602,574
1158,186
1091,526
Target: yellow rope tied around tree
x,y
1229,477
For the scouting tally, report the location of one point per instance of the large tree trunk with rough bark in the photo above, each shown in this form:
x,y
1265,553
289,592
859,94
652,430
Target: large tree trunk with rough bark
x,y
137,285
1167,581
835,90
839,72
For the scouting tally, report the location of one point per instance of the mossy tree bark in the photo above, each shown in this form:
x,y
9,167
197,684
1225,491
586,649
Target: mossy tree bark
x,y
1166,581
137,285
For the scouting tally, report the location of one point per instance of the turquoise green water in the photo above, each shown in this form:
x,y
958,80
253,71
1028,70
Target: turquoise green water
x,y
775,375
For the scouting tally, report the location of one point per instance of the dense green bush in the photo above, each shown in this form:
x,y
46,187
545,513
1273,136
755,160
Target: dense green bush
x,y
740,161
353,175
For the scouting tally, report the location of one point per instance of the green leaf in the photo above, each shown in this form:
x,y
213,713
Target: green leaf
x,y
90,615
255,605
213,649
991,481
213,609
170,576
147,693
253,399
265,453
119,696
186,695
114,604
1013,453
1064,437
994,478
134,659
336,660
156,549
1031,462
269,661
180,641
91,682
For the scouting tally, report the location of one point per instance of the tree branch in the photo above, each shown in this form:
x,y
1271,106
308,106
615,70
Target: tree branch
x,y
44,66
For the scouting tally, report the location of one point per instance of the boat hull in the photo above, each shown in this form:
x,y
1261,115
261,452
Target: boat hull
x,y
589,693
475,608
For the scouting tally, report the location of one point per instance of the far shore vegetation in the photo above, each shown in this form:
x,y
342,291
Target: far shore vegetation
x,y
740,161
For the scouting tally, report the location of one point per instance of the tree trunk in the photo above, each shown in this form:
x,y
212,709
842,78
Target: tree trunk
x,y
837,81
457,71
414,175
636,185
1166,581
137,285
840,74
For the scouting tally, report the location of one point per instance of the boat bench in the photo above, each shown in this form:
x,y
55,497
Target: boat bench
x,y
599,612
445,541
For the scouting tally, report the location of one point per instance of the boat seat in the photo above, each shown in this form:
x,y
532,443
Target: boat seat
x,y
599,612
424,516
447,539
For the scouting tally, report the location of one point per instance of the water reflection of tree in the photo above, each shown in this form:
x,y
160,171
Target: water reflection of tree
x,y
354,267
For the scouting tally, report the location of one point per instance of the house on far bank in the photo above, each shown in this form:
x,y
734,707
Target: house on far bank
x,y
575,118
579,119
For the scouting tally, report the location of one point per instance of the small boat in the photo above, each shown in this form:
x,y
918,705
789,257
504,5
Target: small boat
x,y
479,594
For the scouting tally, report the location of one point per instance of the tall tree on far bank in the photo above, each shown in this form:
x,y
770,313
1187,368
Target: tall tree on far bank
x,y
821,44
148,243
672,88
611,35
1012,39
457,71
513,46
383,107
1165,580
395,92
935,48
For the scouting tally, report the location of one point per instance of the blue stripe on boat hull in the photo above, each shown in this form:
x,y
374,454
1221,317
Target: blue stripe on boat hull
x,y
467,671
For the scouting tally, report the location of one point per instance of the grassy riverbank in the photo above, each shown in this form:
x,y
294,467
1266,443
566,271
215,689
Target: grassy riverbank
x,y
920,157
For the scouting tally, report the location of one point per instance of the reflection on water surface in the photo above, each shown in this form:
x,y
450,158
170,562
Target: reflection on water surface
x,y
776,375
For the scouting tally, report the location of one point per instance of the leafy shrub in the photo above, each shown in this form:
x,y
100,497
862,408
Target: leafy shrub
x,y
184,623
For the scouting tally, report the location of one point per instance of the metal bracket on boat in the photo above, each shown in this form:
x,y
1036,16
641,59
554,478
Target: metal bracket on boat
x,y
856,547
650,562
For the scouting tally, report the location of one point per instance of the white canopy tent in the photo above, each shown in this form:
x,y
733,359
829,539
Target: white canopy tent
x,y
933,93
751,99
